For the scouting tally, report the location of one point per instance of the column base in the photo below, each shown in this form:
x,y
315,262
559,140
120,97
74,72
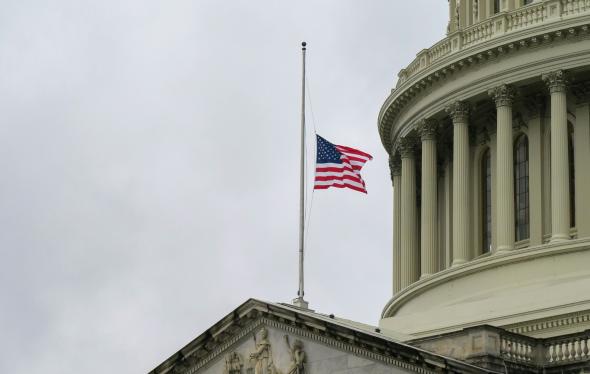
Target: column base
x,y
504,249
559,238
425,276
458,263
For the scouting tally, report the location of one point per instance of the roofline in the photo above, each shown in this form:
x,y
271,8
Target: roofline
x,y
254,309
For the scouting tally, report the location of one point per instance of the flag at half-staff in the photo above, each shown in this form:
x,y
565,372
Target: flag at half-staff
x,y
339,166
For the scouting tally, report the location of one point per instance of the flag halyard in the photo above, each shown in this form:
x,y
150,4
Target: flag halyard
x,y
339,166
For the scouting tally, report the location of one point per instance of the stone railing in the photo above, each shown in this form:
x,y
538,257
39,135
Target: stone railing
x,y
519,348
557,351
567,349
500,24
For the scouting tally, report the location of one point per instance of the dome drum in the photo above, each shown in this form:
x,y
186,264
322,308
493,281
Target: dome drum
x,y
488,149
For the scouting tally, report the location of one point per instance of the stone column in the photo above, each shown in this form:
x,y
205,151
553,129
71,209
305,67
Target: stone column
x,y
560,193
428,227
459,112
395,166
504,98
408,248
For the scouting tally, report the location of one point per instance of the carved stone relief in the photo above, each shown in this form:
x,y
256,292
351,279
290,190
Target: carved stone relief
x,y
234,363
262,362
297,357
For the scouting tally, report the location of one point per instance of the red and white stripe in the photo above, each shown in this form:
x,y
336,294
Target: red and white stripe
x,y
344,175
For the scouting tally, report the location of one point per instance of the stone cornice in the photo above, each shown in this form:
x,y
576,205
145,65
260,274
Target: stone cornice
x,y
503,95
540,35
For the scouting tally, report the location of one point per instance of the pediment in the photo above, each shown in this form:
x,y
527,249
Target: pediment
x,y
266,338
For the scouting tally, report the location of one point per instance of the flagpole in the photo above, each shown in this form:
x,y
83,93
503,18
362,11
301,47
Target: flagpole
x,y
299,301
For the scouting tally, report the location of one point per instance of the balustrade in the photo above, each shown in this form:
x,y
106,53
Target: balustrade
x,y
565,350
550,351
499,24
517,348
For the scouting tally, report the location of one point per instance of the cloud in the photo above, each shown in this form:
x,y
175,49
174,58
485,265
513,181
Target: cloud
x,y
149,157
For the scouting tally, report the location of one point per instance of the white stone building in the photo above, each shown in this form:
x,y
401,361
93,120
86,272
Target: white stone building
x,y
488,133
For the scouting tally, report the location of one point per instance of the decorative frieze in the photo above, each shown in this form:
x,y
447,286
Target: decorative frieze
x,y
458,111
556,81
503,95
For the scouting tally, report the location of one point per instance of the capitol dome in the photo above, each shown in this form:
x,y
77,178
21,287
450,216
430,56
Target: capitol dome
x,y
488,133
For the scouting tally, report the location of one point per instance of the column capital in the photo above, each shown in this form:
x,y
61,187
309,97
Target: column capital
x,y
556,81
395,166
406,147
459,111
503,95
427,128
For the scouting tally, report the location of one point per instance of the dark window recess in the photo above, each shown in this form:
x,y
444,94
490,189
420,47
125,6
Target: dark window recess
x,y
486,192
521,188
572,170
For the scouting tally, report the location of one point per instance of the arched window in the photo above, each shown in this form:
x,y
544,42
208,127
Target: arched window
x,y
570,149
521,187
486,200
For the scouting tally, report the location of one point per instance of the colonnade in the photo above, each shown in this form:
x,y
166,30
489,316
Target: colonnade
x,y
415,259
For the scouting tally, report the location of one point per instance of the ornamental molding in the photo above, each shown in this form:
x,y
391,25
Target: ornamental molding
x,y
503,95
480,264
447,66
428,128
563,322
407,147
556,81
395,166
458,111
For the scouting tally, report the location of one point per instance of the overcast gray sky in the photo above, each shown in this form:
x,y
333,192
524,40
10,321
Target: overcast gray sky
x,y
149,168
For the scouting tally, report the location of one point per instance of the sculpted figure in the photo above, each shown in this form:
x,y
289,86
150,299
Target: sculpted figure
x,y
297,357
233,363
263,354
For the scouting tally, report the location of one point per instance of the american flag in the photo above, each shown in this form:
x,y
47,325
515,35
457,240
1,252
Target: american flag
x,y
339,166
